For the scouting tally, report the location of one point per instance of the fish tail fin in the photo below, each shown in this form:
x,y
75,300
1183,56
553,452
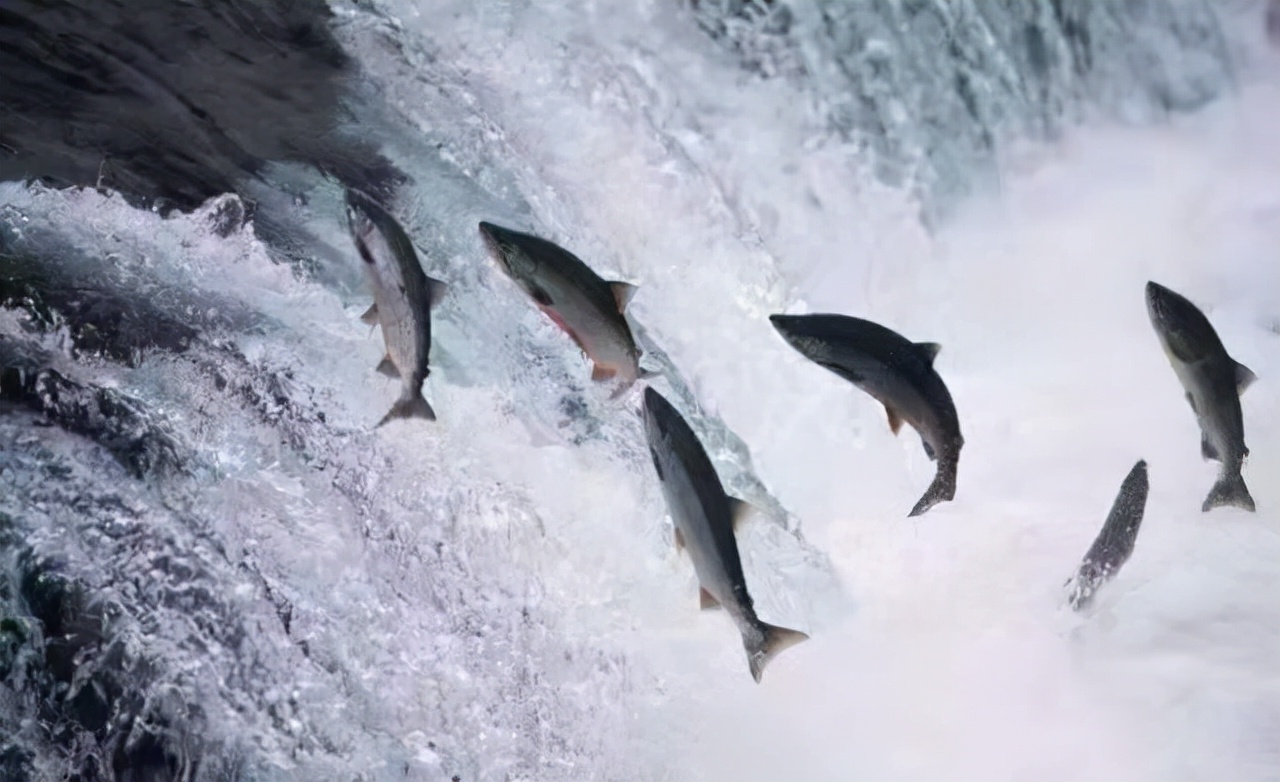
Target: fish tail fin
x,y
411,407
1229,490
943,489
767,644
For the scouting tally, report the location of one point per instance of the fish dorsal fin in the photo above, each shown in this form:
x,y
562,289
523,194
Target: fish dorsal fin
x,y
622,293
929,350
895,420
739,511
436,290
1244,377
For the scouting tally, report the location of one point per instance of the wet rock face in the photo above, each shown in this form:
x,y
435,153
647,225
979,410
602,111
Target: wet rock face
x,y
136,439
103,320
173,103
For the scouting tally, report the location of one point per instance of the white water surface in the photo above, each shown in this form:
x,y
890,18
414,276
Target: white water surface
x,y
959,662
497,595
956,659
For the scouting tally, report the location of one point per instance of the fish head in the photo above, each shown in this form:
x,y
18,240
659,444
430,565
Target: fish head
x,y
1161,306
795,329
512,255
659,415
361,222
1182,327
1136,484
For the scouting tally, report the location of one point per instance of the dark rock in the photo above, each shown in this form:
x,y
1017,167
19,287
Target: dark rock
x,y
15,764
111,419
170,103
229,215
116,324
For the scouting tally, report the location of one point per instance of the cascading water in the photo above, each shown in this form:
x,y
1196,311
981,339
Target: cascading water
x,y
213,567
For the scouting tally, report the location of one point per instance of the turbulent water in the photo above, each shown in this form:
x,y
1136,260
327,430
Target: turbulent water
x,y
214,567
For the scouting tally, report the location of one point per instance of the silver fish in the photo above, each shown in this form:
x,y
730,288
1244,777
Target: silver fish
x,y
588,308
403,296
1114,544
704,521
896,372
1213,382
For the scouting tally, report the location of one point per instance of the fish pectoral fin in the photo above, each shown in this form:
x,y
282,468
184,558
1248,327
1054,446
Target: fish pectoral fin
x,y
706,601
370,315
388,367
1208,451
928,450
739,512
599,372
929,350
895,420
436,290
622,293
1191,400
1244,377
679,536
